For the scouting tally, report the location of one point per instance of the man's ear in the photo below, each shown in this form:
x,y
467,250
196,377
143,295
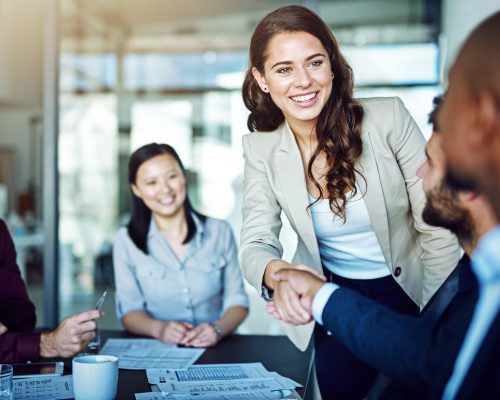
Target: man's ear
x,y
487,116
261,81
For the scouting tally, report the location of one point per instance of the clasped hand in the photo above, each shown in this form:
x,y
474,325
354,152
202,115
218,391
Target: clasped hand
x,y
184,333
294,291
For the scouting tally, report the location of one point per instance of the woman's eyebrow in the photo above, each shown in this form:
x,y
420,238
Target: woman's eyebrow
x,y
290,62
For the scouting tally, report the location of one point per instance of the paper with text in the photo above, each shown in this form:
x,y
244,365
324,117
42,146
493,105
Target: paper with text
x,y
150,353
208,372
259,395
212,381
40,388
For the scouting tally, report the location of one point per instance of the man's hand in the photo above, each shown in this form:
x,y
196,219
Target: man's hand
x,y
71,336
304,285
173,332
287,304
3,329
203,335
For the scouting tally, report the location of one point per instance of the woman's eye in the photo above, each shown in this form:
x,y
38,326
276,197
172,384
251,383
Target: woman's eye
x,y
316,63
284,70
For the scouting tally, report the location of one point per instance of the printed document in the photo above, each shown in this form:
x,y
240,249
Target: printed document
x,y
150,353
46,387
287,394
231,381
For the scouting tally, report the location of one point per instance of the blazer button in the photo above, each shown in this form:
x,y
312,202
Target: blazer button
x,y
397,271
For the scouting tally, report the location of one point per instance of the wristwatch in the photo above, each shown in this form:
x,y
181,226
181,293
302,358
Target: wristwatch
x,y
217,330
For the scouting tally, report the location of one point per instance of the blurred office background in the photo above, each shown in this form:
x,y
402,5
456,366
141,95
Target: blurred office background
x,y
85,82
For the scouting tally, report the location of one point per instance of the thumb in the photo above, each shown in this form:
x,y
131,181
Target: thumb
x,y
280,275
306,302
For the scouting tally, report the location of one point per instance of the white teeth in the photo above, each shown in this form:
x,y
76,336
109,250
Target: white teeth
x,y
303,99
166,200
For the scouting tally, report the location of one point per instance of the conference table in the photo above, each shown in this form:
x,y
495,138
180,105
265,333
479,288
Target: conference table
x,y
276,353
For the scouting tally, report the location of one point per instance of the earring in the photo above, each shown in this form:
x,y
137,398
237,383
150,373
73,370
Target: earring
x,y
265,89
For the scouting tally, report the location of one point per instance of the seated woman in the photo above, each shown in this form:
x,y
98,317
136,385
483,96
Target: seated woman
x,y
176,271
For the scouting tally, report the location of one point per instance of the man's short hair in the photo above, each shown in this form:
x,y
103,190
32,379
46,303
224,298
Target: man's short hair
x,y
436,102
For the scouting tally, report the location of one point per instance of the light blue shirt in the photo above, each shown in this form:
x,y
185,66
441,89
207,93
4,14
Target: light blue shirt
x,y
486,266
199,288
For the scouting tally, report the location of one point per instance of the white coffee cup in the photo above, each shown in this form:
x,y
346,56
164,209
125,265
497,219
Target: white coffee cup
x,y
95,377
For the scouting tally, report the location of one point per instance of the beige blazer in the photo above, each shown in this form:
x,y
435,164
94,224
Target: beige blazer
x,y
393,150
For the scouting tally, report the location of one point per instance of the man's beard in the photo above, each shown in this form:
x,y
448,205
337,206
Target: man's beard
x,y
442,210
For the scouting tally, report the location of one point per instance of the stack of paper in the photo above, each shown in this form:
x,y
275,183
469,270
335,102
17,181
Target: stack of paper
x,y
150,353
40,388
218,381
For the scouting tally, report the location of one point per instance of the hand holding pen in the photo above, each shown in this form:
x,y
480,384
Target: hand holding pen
x,y
95,343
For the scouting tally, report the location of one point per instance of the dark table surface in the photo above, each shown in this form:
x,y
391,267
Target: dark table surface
x,y
276,353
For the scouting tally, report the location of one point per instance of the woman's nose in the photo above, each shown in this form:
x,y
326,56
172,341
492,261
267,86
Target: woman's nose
x,y
302,78
165,187
422,171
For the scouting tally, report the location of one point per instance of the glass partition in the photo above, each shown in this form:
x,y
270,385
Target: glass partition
x,y
116,96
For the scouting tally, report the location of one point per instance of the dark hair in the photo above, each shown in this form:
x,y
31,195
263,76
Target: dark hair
x,y
338,128
436,103
140,219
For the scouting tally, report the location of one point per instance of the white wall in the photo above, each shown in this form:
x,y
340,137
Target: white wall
x,y
21,39
460,17
21,46
15,133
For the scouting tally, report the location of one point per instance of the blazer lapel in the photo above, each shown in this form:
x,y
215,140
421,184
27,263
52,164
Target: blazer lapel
x,y
293,185
371,189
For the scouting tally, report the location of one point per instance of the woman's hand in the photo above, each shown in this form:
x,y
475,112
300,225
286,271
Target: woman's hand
x,y
204,335
173,332
3,329
286,305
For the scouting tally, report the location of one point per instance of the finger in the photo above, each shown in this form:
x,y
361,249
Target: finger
x,y
282,274
192,334
311,270
85,326
270,308
178,327
278,302
85,316
294,311
306,302
80,337
204,342
173,337
87,337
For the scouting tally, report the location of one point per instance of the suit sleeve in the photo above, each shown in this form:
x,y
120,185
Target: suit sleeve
x,y
398,345
17,312
440,248
261,220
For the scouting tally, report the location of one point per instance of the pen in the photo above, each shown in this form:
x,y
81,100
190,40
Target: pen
x,y
101,301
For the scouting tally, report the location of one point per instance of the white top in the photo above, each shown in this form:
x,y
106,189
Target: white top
x,y
349,249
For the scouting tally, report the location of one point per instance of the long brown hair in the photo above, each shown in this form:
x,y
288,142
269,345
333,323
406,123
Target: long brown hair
x,y
338,128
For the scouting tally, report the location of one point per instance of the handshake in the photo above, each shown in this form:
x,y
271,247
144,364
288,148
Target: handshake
x,y
294,291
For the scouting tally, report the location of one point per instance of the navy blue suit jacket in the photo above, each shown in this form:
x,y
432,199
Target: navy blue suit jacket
x,y
410,350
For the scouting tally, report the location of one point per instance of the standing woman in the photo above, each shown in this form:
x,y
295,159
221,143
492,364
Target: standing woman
x,y
343,171
176,270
